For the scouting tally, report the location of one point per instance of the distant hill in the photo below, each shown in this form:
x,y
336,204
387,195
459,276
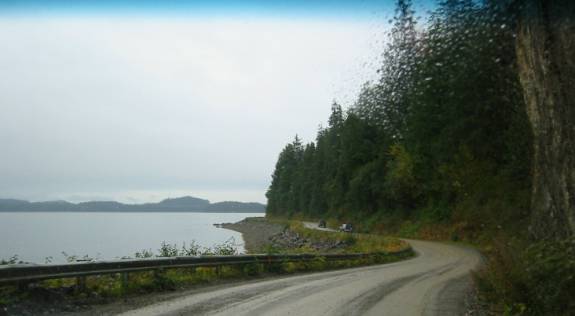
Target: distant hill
x,y
237,207
186,202
181,204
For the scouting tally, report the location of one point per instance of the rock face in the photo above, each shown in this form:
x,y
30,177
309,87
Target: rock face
x,y
546,59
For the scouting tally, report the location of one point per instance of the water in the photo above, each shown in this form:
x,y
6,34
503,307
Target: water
x,y
36,236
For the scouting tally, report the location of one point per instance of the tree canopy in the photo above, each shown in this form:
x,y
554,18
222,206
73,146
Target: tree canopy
x,y
440,135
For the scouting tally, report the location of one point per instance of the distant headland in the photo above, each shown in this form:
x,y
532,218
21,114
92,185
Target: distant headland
x,y
181,204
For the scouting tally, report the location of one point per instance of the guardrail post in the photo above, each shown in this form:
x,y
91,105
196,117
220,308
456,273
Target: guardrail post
x,y
22,285
218,271
81,283
241,268
125,278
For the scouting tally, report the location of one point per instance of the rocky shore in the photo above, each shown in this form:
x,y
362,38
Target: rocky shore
x,y
292,240
261,235
256,231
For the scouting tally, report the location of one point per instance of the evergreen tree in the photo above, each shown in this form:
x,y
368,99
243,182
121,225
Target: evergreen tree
x,y
388,101
443,128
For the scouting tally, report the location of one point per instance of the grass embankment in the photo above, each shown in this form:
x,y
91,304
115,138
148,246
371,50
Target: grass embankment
x,y
354,242
67,294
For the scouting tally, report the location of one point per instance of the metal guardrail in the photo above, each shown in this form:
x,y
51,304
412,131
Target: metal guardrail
x,y
23,274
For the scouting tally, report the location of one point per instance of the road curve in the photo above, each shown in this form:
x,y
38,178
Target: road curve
x,y
435,282
312,225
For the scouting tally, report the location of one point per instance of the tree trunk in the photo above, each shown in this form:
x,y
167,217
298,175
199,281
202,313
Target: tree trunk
x,y
546,59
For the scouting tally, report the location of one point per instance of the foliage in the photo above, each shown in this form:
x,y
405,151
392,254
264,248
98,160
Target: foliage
x,y
226,248
168,250
439,147
12,260
106,287
444,130
145,253
536,279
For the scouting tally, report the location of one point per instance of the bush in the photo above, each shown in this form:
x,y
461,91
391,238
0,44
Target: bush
x,y
12,260
409,229
252,269
550,276
537,279
167,250
227,248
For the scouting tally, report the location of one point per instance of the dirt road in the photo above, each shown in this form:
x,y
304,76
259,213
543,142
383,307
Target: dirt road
x,y
313,225
433,283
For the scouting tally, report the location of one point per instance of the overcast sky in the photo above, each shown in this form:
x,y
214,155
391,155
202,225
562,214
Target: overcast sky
x,y
141,104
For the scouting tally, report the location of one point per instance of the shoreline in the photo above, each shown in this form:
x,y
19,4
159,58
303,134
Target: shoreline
x,y
263,236
256,232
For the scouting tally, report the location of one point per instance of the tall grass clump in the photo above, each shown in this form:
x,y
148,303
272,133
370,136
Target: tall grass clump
x,y
530,279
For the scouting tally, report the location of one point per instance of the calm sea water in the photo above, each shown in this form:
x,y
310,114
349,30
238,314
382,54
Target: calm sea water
x,y
35,236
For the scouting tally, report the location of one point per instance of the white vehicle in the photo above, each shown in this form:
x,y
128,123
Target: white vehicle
x,y
347,228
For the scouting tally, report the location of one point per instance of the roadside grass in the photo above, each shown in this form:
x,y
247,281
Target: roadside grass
x,y
356,242
107,288
529,278
102,288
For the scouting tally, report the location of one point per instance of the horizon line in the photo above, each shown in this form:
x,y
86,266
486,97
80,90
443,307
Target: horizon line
x,y
88,201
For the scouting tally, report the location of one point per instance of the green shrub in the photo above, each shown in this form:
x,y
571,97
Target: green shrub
x,y
409,229
537,279
145,253
550,276
317,264
164,281
252,269
12,260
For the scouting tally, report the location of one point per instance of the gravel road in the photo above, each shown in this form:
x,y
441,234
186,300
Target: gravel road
x,y
313,225
433,283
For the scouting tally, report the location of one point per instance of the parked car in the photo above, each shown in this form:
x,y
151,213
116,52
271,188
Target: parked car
x,y
346,228
321,224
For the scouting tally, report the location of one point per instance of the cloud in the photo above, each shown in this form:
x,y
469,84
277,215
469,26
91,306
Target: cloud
x,y
168,105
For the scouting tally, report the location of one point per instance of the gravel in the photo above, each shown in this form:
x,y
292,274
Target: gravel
x,y
256,231
261,235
